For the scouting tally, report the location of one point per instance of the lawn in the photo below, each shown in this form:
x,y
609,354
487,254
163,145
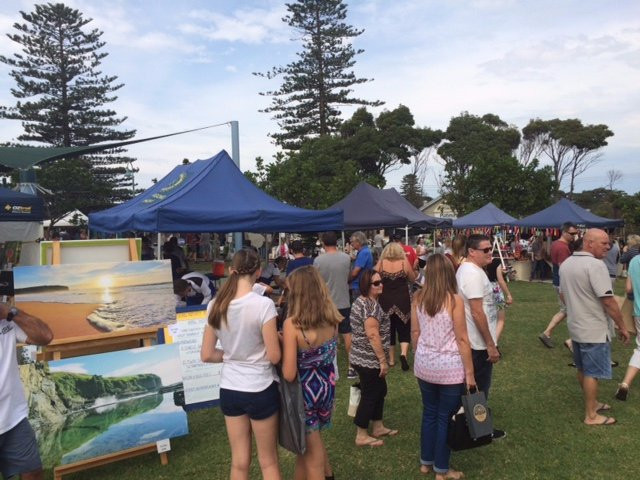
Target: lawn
x,y
535,398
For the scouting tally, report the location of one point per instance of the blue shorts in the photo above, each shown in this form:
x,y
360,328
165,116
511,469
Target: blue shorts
x,y
258,405
345,325
593,359
19,450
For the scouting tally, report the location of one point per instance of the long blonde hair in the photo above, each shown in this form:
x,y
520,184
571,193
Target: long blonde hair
x,y
393,251
440,286
309,302
244,262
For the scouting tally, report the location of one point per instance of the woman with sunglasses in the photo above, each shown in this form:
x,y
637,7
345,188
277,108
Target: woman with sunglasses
x,y
370,329
442,362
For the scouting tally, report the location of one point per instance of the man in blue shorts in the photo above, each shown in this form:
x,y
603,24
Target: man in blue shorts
x,y
18,447
588,294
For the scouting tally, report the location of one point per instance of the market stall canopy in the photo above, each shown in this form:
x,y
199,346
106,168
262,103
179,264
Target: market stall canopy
x,y
23,158
368,207
71,219
566,211
20,207
210,196
487,216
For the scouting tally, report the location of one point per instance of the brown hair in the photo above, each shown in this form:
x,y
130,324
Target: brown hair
x,y
365,281
309,301
244,262
458,246
440,286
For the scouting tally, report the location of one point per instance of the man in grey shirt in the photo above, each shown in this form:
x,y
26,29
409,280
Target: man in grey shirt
x,y
334,266
587,290
612,258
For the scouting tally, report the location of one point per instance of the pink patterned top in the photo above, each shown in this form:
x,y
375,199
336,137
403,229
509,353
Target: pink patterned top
x,y
437,358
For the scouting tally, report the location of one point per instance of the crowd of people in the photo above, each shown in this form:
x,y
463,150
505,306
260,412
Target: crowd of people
x,y
446,303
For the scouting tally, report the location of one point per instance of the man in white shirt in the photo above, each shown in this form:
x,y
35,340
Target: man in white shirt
x,y
18,446
480,311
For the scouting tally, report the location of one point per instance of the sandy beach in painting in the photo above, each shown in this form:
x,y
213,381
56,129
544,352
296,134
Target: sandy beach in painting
x,y
65,319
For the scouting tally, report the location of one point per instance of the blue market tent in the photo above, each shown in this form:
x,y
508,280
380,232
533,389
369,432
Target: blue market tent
x,y
20,207
487,216
367,207
210,196
566,211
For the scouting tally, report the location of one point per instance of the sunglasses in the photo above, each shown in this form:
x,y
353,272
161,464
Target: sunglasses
x,y
484,250
377,283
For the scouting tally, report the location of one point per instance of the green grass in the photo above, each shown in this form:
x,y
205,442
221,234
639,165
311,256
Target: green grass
x,y
535,398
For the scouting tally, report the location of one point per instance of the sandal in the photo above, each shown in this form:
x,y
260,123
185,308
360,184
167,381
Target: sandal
x,y
450,475
425,469
370,442
387,432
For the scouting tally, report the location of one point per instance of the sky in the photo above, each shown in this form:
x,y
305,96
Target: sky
x,y
94,275
189,64
160,360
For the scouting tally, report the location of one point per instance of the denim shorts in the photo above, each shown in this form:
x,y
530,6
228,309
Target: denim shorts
x,y
19,450
593,359
257,405
345,325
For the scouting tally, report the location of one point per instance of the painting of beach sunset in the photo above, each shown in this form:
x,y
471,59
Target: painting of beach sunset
x,y
77,300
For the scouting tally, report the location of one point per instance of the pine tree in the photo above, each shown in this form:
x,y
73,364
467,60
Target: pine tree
x,y
411,190
64,105
306,104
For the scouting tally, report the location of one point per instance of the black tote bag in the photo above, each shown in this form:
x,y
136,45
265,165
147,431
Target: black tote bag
x,y
291,429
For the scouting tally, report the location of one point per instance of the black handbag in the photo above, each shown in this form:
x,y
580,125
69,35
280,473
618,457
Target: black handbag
x,y
476,418
292,433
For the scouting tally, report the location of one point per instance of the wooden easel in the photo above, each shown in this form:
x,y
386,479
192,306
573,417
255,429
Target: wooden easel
x,y
100,343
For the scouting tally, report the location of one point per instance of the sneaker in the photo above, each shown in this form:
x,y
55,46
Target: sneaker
x,y
546,340
622,392
498,434
351,374
614,363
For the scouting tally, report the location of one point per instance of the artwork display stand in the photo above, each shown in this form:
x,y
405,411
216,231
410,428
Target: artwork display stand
x,y
76,346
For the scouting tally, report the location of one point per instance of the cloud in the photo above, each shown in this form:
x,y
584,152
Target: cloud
x,y
251,26
70,368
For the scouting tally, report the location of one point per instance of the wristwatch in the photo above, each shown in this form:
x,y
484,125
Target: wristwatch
x,y
13,311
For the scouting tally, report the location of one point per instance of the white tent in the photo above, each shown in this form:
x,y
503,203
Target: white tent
x,y
71,219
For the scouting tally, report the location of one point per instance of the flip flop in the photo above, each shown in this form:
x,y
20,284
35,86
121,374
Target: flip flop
x,y
603,407
606,422
425,469
389,432
371,442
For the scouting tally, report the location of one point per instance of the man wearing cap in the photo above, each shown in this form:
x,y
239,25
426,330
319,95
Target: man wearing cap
x,y
18,447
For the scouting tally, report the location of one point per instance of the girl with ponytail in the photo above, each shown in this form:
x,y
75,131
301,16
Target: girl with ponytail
x,y
245,324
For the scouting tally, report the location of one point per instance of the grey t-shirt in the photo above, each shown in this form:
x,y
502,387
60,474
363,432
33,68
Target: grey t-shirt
x,y
611,260
584,280
334,268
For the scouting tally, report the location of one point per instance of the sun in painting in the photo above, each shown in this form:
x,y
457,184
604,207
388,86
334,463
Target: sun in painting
x,y
106,281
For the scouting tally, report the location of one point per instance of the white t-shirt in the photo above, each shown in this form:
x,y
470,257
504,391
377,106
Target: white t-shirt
x,y
245,366
474,283
13,405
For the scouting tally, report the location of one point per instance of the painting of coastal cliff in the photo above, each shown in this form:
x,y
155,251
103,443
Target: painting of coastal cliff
x,y
77,300
85,407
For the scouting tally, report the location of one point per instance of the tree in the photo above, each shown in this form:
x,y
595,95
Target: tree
x,y
571,146
411,190
315,177
613,177
61,102
480,167
391,140
314,86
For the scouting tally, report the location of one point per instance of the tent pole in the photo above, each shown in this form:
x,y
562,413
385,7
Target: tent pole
x,y
235,155
343,245
158,247
406,235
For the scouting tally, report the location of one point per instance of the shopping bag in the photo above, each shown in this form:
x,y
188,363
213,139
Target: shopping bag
x,y
354,399
477,413
291,429
458,437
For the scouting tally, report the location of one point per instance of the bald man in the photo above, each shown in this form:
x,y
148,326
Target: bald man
x,y
585,283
